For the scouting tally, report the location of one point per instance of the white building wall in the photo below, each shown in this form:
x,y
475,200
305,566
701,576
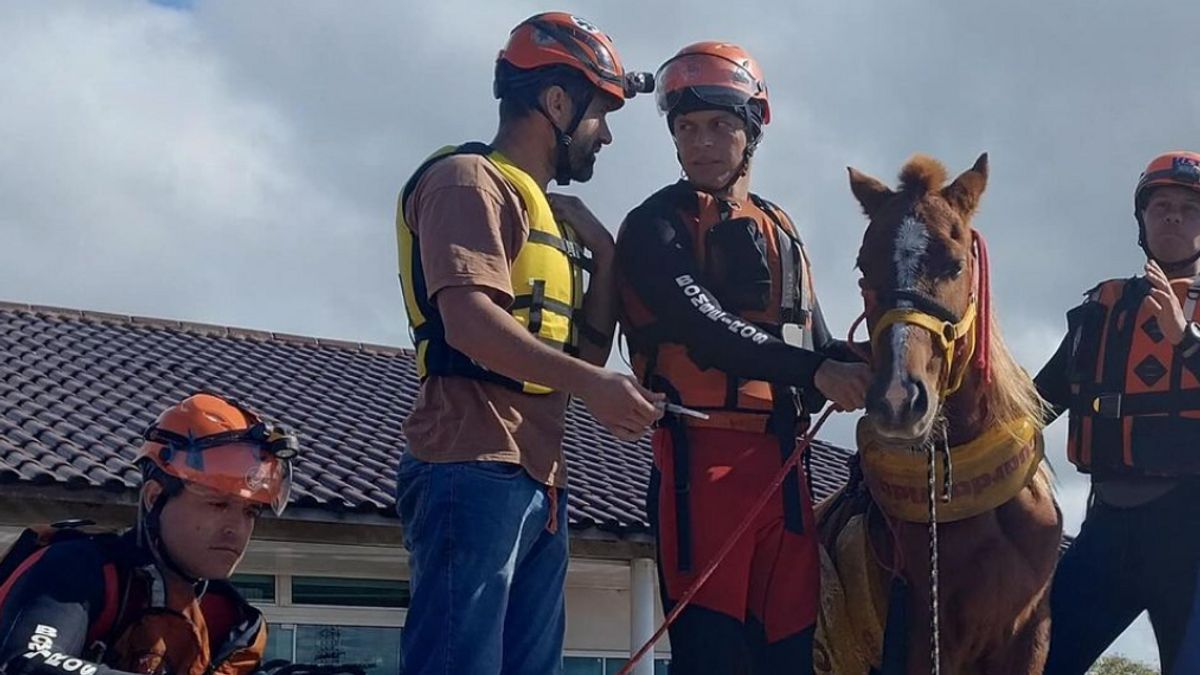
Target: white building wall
x,y
598,596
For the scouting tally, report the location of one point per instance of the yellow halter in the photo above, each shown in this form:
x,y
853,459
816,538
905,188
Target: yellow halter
x,y
946,336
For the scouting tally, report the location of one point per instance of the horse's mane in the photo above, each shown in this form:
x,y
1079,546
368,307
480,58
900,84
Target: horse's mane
x,y
1011,393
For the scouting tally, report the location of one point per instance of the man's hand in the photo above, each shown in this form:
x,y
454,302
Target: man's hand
x,y
591,232
1165,304
623,406
844,383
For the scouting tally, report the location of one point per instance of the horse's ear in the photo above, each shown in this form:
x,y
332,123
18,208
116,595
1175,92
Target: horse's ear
x,y
964,193
870,192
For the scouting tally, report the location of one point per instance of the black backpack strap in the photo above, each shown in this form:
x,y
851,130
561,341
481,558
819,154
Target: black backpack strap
x,y
116,550
114,555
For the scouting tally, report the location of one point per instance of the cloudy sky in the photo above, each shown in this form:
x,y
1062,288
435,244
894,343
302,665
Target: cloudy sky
x,y
237,162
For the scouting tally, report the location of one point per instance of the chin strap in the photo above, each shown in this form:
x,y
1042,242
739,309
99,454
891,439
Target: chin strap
x,y
742,170
150,528
744,167
564,138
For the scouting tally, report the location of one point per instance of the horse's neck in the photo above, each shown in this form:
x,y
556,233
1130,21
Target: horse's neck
x,y
966,411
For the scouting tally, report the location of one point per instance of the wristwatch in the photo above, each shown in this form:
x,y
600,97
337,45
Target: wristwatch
x,y
1191,339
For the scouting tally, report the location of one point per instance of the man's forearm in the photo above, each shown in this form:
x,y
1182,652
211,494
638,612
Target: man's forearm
x,y
598,320
484,331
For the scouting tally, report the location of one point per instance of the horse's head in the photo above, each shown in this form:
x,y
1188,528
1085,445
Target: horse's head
x,y
919,279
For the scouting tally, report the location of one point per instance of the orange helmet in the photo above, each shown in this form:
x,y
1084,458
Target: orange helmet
x,y
211,443
720,74
1179,167
558,38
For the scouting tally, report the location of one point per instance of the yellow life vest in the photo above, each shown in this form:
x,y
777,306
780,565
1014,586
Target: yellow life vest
x,y
546,277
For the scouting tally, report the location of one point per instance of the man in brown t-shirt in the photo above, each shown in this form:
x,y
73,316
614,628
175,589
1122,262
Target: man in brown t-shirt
x,y
491,269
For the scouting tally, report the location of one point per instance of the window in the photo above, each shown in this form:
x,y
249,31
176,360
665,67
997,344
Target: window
x,y
377,650
281,642
603,665
612,666
256,588
349,592
583,665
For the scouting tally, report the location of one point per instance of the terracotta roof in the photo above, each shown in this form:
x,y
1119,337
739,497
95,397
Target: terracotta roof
x,y
78,387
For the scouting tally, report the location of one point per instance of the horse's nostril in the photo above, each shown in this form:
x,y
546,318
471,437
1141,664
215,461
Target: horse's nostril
x,y
920,398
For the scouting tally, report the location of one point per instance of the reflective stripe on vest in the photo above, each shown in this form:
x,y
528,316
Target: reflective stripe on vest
x,y
1135,405
546,278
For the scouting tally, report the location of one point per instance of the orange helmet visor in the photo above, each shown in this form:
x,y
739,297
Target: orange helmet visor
x,y
713,79
247,471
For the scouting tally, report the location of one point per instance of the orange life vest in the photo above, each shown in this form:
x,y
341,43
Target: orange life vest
x,y
752,259
137,630
1135,405
159,639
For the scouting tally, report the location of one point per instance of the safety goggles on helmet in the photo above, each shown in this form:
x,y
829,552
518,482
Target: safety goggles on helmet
x,y
715,80
213,494
252,464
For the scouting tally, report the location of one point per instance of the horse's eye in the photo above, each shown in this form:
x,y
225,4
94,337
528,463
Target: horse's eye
x,y
956,269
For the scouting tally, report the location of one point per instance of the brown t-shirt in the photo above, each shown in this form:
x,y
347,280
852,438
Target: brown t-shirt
x,y
470,224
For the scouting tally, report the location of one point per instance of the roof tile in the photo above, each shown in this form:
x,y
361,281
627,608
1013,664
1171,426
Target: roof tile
x,y
77,388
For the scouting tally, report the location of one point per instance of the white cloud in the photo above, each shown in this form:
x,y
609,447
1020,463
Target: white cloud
x,y
139,181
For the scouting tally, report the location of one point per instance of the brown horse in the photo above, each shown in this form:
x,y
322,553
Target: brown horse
x,y
952,424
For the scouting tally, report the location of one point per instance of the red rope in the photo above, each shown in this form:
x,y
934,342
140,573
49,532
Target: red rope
x,y
858,351
983,321
691,591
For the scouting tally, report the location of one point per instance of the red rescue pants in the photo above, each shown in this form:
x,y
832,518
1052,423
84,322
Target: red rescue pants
x,y
760,605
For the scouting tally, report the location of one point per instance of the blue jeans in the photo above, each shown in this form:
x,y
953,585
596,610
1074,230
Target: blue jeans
x,y
487,575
